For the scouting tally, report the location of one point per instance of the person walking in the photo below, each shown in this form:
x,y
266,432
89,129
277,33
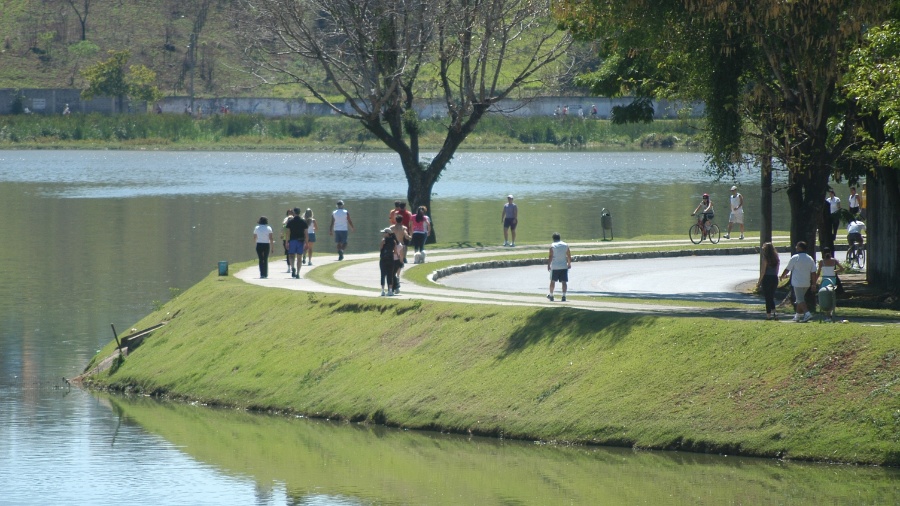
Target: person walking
x,y
421,227
297,241
401,234
285,237
827,273
558,263
265,242
340,227
803,275
387,261
768,277
834,208
311,228
737,212
510,219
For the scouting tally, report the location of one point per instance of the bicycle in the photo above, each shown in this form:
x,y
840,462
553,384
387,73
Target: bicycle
x,y
856,254
697,235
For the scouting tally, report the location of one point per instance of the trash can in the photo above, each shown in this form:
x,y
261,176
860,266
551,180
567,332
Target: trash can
x,y
223,268
606,223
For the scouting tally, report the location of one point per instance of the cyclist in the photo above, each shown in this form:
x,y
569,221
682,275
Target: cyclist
x,y
706,215
854,232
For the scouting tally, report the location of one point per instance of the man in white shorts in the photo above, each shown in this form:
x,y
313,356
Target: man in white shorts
x,y
803,275
737,212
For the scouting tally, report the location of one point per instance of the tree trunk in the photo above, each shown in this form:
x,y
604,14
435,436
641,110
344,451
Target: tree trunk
x,y
765,197
883,229
806,195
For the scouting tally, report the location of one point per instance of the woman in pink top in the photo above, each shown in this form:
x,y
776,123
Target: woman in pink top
x,y
421,227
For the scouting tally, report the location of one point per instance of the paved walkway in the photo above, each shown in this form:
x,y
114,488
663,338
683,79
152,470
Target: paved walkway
x,y
359,276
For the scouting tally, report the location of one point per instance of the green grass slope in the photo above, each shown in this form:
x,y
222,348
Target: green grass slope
x,y
815,392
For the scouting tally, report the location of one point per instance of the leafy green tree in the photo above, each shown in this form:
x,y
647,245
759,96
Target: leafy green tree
x,y
110,78
775,63
871,83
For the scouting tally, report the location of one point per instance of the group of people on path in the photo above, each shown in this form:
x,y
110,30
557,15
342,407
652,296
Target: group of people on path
x,y
805,275
298,237
833,211
405,228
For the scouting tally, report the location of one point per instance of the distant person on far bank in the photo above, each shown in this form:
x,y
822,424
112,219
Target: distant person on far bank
x,y
340,228
558,263
803,275
67,111
510,219
737,212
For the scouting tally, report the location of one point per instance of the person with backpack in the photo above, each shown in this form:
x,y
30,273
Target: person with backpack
x,y
387,261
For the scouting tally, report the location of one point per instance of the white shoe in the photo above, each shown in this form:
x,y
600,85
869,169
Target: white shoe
x,y
727,236
505,243
796,318
512,245
742,237
807,317
550,297
390,294
382,293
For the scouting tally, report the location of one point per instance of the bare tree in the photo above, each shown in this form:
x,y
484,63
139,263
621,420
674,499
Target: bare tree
x,y
381,56
82,8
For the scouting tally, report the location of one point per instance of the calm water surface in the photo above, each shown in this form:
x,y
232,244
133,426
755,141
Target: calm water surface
x,y
94,238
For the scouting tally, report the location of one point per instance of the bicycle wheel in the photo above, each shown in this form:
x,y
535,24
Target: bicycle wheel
x,y
851,256
694,234
861,258
713,234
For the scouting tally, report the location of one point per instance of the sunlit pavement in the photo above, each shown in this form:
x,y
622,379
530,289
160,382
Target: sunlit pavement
x,y
681,281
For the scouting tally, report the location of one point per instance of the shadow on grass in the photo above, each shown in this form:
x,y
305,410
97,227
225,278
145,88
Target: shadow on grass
x,y
563,323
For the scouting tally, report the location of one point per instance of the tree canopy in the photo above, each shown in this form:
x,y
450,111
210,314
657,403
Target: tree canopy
x,y
380,58
110,78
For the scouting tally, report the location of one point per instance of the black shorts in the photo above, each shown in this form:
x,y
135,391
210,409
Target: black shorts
x,y
559,275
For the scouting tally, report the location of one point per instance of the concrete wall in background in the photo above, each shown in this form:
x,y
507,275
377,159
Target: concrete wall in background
x,y
54,101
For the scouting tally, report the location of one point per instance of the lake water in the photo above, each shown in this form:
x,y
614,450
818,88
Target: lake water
x,y
93,238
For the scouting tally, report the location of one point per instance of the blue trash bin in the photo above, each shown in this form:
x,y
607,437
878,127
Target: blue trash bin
x,y
223,268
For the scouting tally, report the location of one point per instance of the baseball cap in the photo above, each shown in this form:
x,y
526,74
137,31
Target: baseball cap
x,y
509,196
340,202
734,187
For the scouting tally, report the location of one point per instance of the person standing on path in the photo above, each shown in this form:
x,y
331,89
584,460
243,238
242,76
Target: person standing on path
x,y
510,219
803,275
853,201
558,263
834,207
737,212
340,227
264,239
299,234
768,277
862,202
311,228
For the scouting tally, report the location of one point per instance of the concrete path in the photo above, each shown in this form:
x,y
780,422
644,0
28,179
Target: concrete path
x,y
681,281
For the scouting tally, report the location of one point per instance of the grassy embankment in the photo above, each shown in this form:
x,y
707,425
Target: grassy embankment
x,y
254,132
560,374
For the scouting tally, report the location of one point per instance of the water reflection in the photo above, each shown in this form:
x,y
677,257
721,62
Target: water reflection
x,y
319,462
